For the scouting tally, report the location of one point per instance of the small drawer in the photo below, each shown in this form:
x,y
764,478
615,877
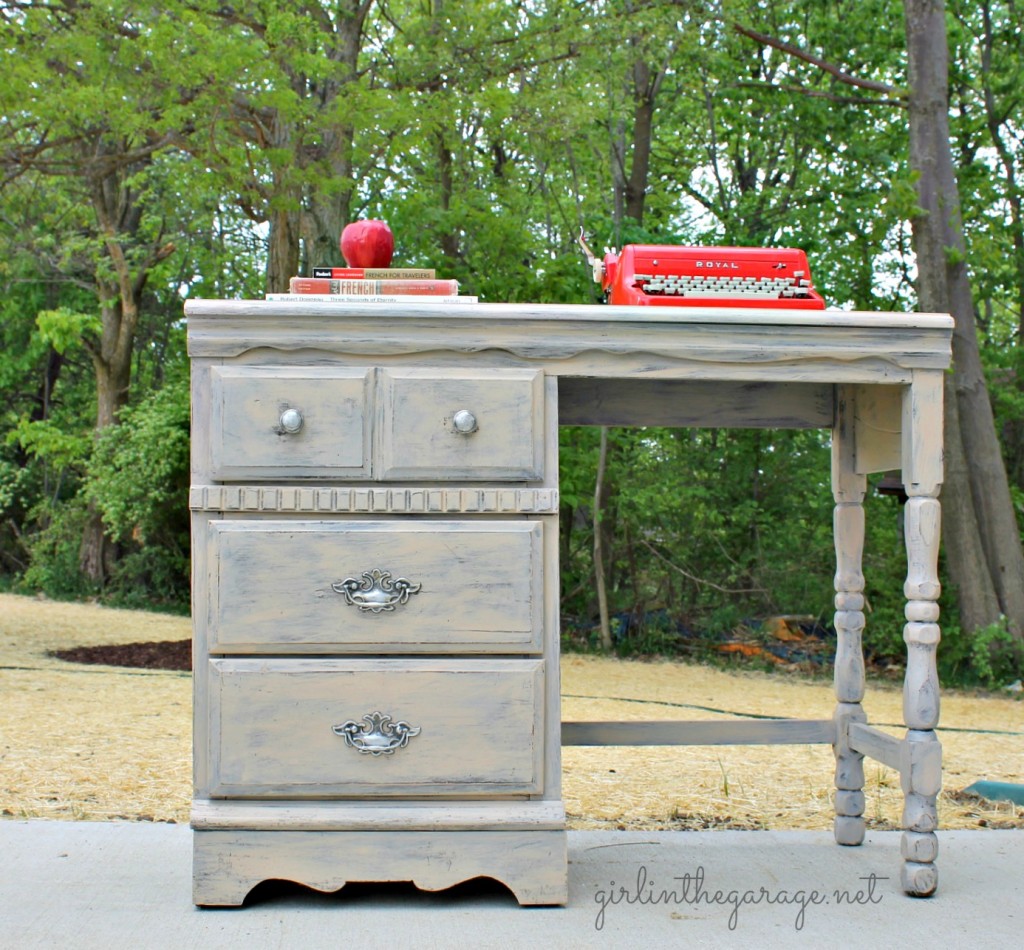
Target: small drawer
x,y
305,728
281,422
483,425
394,586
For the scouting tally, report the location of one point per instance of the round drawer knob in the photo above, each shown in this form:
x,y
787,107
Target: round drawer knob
x,y
464,422
291,420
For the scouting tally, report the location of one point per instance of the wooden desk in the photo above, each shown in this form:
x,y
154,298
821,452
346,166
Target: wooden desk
x,y
375,526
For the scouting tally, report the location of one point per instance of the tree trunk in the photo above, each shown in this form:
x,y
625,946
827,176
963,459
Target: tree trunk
x,y
645,90
989,581
331,208
965,557
283,249
446,181
328,213
617,158
120,281
1000,126
112,365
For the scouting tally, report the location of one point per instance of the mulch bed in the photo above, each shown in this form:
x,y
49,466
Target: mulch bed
x,y
806,655
799,647
156,655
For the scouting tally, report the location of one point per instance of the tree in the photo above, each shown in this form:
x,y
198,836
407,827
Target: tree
x,y
103,159
983,544
982,541
987,49
92,117
286,144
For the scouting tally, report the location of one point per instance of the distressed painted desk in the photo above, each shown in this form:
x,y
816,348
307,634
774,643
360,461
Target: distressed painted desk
x,y
375,521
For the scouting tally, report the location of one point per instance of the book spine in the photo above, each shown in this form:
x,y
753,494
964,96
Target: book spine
x,y
387,288
375,273
376,298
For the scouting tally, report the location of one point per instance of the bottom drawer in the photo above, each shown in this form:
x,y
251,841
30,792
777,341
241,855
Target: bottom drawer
x,y
305,728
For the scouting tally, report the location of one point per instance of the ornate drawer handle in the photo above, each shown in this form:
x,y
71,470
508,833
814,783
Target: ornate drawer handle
x,y
464,422
291,421
380,736
377,591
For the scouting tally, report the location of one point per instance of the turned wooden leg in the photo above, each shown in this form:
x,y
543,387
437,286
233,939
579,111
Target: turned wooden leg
x,y
921,766
848,489
921,773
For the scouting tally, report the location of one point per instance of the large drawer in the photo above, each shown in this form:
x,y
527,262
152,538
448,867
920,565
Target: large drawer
x,y
306,728
394,586
285,422
442,425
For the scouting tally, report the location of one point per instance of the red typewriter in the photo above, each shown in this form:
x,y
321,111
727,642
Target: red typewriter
x,y
671,276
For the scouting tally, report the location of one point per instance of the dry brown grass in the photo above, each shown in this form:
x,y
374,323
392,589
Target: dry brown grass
x,y
763,786
91,742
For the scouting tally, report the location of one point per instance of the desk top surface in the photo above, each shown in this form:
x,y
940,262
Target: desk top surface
x,y
581,340
561,313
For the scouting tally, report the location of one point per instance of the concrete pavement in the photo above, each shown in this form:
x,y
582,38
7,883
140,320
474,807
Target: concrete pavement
x,y
116,885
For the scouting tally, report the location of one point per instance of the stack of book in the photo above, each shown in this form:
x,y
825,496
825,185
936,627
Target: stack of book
x,y
374,285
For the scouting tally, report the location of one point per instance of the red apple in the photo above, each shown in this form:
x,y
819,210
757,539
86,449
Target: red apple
x,y
367,244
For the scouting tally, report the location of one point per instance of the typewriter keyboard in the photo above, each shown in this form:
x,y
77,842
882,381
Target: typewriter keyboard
x,y
672,285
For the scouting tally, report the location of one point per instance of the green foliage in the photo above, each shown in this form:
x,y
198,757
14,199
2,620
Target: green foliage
x,y
657,636
990,658
903,197
997,657
18,494
45,439
14,486
138,480
53,554
706,525
150,578
140,467
64,328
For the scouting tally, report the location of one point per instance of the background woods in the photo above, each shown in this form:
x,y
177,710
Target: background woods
x,y
204,149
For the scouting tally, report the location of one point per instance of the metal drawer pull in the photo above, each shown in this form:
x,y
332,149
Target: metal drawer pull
x,y
377,591
291,420
380,736
464,422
